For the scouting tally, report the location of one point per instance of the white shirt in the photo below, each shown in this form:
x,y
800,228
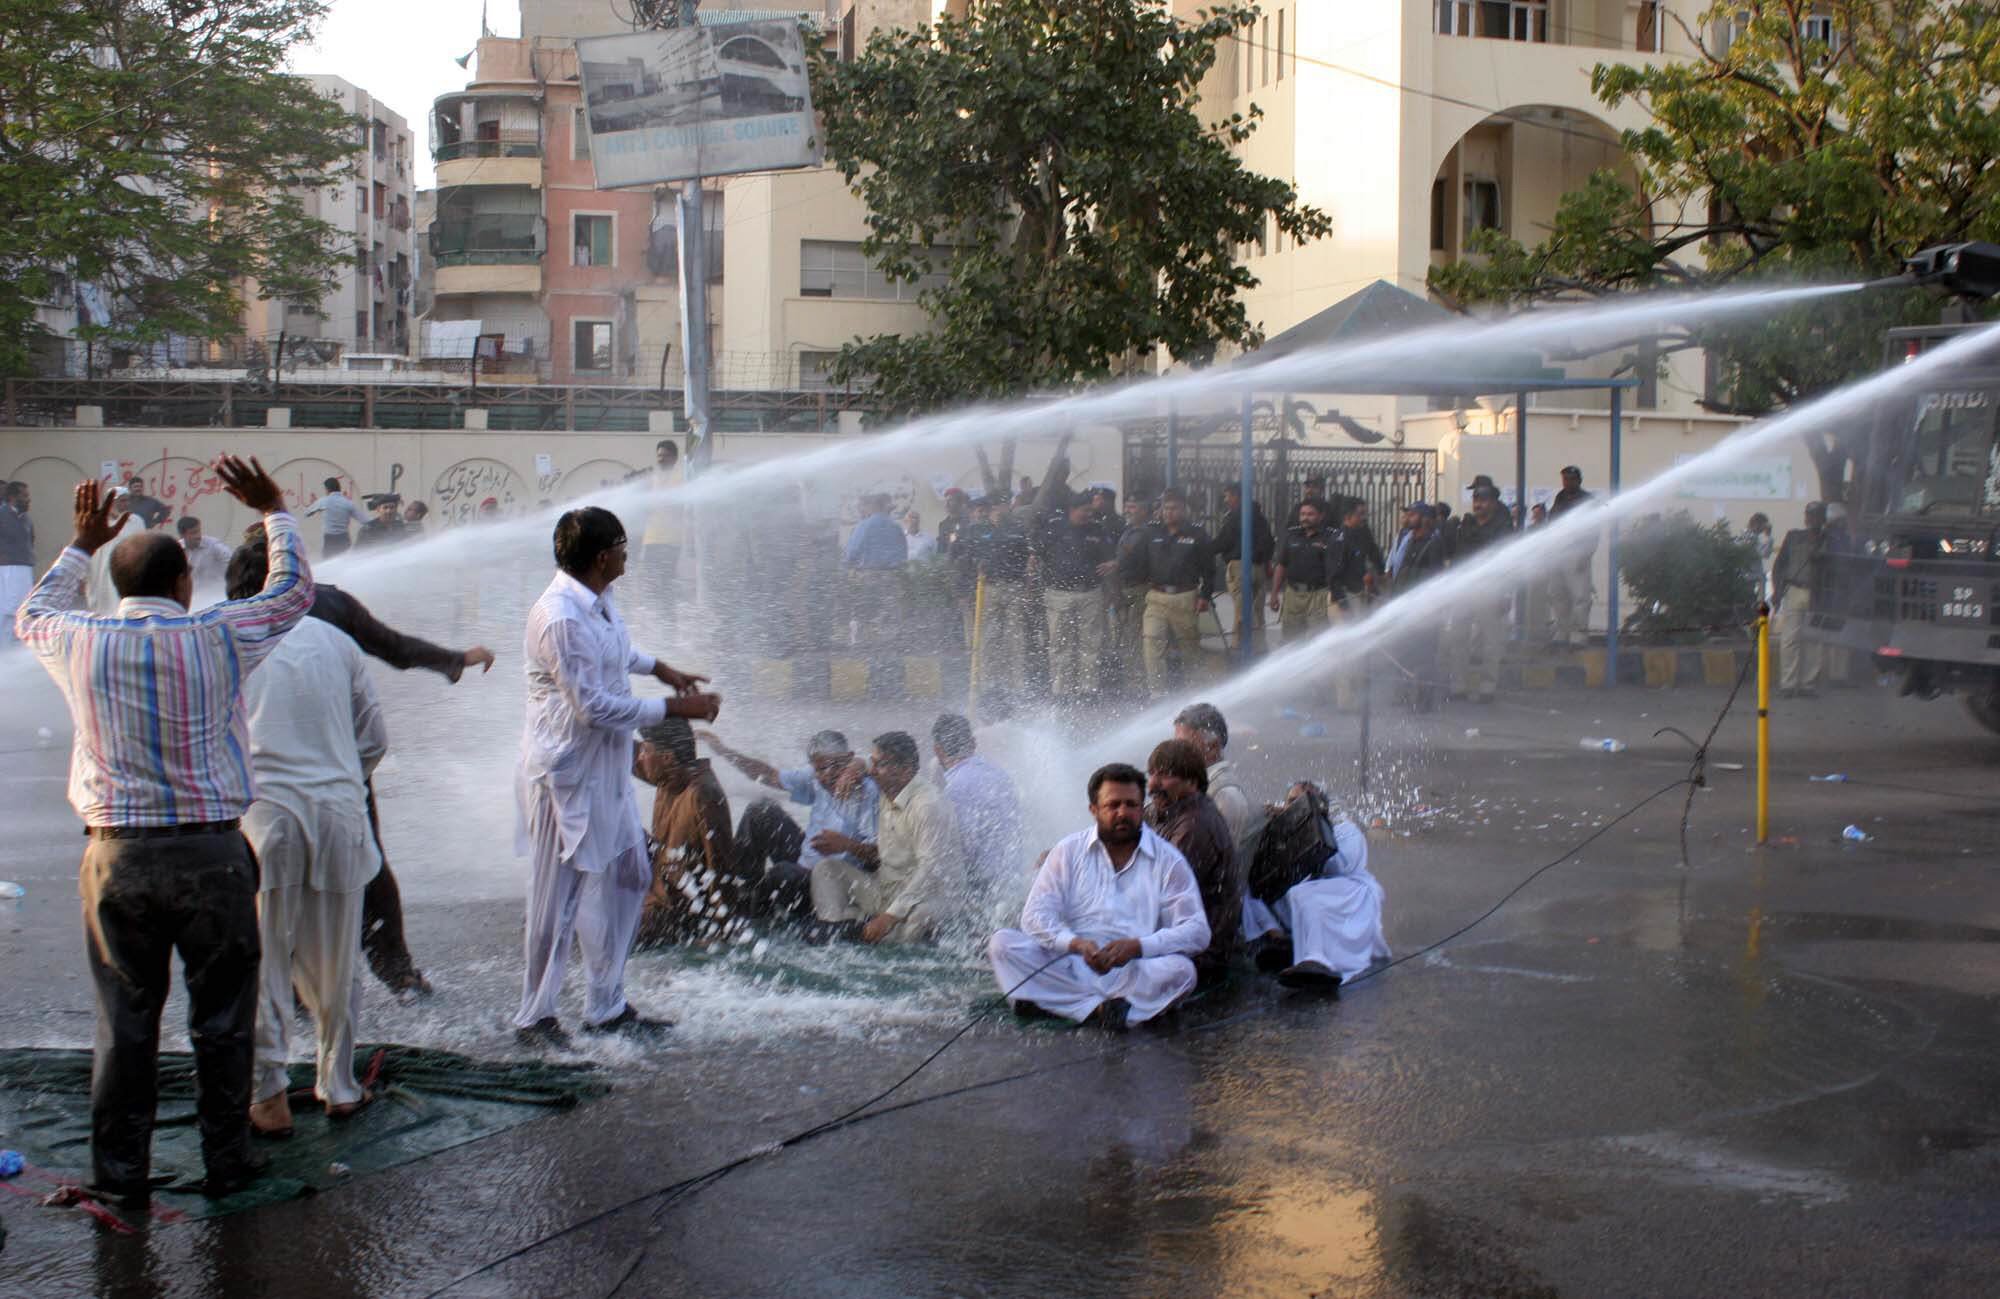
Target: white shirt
x,y
210,562
316,731
1078,893
921,858
576,749
920,545
988,812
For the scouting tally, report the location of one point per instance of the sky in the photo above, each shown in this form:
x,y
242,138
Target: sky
x,y
404,52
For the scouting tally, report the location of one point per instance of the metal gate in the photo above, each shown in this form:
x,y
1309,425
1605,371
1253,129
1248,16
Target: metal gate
x,y
1283,473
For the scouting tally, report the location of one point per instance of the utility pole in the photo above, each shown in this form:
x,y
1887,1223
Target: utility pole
x,y
695,358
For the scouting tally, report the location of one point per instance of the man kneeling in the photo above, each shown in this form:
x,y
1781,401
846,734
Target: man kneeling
x,y
1327,927
1114,914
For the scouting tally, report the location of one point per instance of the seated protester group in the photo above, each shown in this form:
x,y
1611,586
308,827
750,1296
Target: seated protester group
x,y
987,809
1313,909
1184,815
772,853
1112,921
911,880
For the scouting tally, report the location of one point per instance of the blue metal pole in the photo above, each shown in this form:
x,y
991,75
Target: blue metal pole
x,y
1248,511
1611,546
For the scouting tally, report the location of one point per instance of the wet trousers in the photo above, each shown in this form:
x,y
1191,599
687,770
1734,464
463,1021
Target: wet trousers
x,y
311,950
144,900
1335,920
599,909
1170,619
1569,599
382,940
1076,640
1256,598
1129,613
1003,637
768,847
1072,989
1800,661
843,891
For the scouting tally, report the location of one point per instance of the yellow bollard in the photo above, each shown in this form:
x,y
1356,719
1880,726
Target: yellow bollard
x,y
972,667
1763,724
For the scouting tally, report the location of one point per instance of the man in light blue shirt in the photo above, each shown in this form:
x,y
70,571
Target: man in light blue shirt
x,y
987,808
337,514
772,852
877,543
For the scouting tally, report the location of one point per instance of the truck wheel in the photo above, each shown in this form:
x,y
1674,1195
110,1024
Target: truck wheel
x,y
1985,709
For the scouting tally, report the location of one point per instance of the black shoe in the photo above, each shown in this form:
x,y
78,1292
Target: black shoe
x,y
1310,976
234,1177
630,1023
1113,1016
128,1195
1273,955
821,933
544,1034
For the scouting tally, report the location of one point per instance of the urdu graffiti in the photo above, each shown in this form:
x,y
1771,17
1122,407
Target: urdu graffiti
x,y
462,487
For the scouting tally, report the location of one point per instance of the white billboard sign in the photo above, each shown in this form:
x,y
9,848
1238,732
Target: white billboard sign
x,y
697,101
1746,480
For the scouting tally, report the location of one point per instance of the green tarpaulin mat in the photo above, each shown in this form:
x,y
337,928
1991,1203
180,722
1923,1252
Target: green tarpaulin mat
x,y
426,1101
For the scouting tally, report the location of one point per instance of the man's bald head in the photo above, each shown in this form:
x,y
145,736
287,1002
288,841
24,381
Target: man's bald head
x,y
152,565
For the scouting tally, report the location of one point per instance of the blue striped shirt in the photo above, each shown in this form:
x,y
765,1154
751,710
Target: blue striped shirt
x,y
155,692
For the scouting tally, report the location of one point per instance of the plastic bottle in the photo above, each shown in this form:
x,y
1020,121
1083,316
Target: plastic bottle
x,y
8,889
1831,778
1607,744
1855,834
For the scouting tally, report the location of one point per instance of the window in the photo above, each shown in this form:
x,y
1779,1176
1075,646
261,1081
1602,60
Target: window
x,y
1437,216
381,200
833,269
1482,205
361,198
1729,28
590,345
593,240
1454,17
816,369
1264,54
1820,27
361,329
1652,28
1281,45
579,135
1950,465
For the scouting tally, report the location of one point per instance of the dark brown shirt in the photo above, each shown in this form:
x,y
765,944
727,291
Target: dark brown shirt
x,y
695,897
1195,826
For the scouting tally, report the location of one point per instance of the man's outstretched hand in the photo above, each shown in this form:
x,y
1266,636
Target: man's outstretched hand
x,y
94,524
680,682
481,656
250,484
702,707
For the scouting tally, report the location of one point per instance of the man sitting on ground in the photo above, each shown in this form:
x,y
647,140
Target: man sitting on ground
x,y
987,808
1327,929
697,897
911,880
771,851
1187,818
1112,921
1203,726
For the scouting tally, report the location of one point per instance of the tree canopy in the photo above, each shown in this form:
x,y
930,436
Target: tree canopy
x,y
1047,163
148,154
1828,140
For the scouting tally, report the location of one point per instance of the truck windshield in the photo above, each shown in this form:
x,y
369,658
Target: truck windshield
x,y
1951,465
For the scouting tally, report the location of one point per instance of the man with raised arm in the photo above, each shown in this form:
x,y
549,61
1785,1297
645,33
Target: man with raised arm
x,y
159,776
1112,922
578,819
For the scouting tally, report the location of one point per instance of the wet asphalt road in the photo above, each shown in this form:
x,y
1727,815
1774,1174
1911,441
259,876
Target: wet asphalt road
x,y
1775,1072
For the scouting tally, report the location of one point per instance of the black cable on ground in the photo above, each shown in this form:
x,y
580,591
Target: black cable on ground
x,y
674,1192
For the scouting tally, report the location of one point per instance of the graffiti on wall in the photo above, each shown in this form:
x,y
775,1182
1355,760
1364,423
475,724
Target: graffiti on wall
x,y
461,490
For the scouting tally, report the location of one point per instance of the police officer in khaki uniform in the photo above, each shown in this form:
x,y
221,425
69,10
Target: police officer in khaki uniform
x,y
1176,561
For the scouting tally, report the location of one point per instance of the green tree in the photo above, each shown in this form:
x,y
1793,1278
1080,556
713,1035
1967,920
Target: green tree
x,y
1827,141
149,148
1056,150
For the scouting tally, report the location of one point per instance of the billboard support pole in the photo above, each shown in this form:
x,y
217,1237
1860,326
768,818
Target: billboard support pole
x,y
694,303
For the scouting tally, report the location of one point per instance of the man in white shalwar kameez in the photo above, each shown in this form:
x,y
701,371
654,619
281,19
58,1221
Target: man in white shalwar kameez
x,y
578,820
316,732
1334,922
1114,915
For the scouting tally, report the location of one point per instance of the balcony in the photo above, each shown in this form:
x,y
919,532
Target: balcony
x,y
511,158
490,253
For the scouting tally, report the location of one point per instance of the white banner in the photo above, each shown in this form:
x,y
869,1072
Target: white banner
x,y
1748,480
697,101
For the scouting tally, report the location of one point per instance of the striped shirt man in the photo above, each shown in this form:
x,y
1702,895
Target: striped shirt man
x,y
155,691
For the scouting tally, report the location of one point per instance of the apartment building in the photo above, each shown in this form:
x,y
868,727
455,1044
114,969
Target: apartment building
x,y
583,283
1416,123
369,309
